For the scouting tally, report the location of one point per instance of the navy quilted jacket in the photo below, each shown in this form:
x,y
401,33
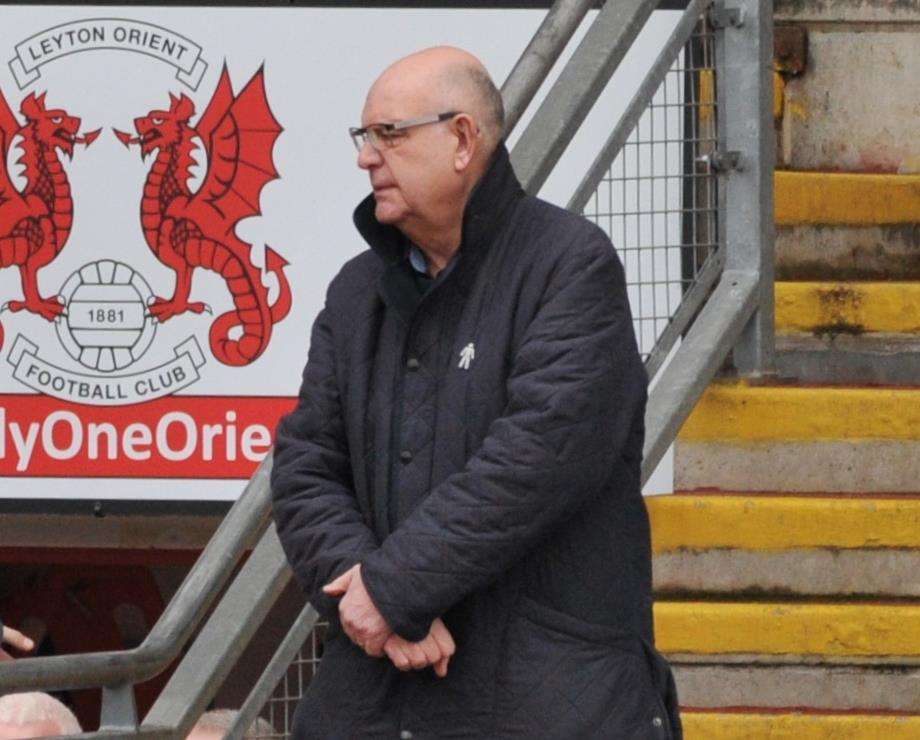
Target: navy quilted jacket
x,y
476,446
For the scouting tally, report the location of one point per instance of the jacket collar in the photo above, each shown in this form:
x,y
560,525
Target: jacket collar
x,y
496,190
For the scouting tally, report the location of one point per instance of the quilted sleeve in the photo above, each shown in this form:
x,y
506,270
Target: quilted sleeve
x,y
575,386
313,502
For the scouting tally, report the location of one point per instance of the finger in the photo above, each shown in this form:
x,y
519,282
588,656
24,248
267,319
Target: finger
x,y
443,637
17,639
397,655
338,586
440,668
431,649
416,656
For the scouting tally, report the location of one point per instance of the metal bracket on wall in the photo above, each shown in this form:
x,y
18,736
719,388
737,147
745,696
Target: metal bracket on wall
x,y
722,17
722,162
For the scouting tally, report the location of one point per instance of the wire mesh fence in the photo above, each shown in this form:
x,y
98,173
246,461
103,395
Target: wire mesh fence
x,y
658,201
278,712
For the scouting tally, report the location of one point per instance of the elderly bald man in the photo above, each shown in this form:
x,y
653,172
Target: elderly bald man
x,y
458,489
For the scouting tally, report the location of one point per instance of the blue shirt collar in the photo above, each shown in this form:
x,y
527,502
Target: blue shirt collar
x,y
417,259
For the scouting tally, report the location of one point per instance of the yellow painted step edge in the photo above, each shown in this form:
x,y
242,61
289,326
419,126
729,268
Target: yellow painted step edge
x,y
798,726
781,522
845,198
830,630
810,307
737,412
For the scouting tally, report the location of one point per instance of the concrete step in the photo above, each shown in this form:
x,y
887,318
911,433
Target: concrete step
x,y
865,333
834,252
848,308
847,226
776,545
815,687
789,632
862,359
845,198
855,657
743,437
753,725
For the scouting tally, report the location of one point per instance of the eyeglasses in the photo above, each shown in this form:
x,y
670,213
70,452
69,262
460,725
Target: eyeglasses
x,y
388,135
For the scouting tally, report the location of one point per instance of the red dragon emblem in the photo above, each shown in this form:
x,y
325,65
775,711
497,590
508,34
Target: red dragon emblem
x,y
188,229
35,223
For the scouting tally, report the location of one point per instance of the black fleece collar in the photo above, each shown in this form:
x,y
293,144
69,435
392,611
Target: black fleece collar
x,y
493,194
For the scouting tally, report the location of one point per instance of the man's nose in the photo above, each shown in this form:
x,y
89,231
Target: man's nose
x,y
368,156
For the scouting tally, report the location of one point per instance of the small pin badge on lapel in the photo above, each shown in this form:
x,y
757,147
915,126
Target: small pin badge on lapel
x,y
466,356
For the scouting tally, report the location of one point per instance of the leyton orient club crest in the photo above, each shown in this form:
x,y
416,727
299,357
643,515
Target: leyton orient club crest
x,y
105,314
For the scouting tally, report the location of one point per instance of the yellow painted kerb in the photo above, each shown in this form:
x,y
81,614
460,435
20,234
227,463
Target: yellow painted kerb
x,y
737,412
845,198
750,726
839,630
781,522
847,307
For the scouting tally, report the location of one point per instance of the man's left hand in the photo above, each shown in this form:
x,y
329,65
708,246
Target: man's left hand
x,y
361,620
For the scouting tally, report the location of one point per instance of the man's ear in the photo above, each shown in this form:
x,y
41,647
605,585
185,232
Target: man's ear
x,y
468,140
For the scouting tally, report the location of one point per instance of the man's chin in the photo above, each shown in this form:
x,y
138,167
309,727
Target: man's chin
x,y
387,214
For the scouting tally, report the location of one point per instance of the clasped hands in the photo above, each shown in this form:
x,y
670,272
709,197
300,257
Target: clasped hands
x,y
366,627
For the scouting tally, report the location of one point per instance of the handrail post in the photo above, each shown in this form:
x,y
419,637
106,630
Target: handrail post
x,y
744,53
119,710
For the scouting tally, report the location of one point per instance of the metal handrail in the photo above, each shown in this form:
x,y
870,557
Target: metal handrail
x,y
235,535
539,57
278,665
222,640
575,92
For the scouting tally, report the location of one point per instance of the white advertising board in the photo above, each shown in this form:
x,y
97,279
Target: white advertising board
x,y
175,197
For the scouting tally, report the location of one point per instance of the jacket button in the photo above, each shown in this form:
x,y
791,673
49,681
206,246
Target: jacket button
x,y
405,456
405,735
657,722
412,364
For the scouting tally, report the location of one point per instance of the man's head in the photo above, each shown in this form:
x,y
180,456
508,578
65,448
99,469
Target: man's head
x,y
35,714
215,725
422,175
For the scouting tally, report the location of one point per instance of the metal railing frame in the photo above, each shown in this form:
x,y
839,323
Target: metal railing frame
x,y
738,314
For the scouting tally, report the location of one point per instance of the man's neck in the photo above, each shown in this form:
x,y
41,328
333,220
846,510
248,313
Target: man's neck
x,y
438,249
440,242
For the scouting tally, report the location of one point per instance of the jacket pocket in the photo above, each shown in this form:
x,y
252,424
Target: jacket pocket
x,y
562,677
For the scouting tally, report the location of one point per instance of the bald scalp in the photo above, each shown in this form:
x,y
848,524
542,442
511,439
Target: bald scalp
x,y
474,91
449,79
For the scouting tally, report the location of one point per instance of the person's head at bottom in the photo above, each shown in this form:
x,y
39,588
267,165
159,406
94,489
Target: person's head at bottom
x,y
215,725
35,714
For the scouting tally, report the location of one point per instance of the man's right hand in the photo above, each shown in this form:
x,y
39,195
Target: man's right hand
x,y
435,650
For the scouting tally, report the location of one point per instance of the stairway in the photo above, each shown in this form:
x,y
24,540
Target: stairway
x,y
787,566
